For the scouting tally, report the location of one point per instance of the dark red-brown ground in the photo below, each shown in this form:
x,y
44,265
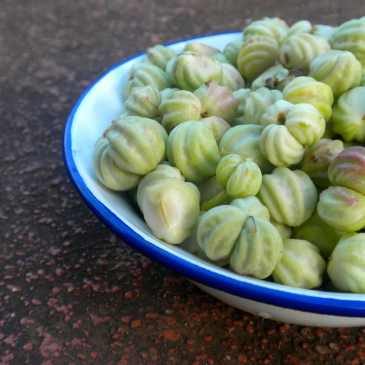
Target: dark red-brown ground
x,y
70,291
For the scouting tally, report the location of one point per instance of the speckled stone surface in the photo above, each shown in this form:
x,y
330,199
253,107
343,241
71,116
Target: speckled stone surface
x,y
71,292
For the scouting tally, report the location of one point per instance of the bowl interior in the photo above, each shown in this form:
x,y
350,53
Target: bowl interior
x,y
102,103
96,109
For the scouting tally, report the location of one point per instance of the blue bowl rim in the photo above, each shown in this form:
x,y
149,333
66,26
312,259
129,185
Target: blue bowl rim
x,y
306,300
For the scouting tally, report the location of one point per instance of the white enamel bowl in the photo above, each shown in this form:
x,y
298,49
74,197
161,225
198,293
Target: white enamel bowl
x,y
93,113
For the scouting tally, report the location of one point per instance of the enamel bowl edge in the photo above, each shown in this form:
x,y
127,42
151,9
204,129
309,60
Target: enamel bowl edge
x,y
97,107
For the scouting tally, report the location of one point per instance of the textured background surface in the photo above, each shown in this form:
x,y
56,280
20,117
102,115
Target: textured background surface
x,y
70,291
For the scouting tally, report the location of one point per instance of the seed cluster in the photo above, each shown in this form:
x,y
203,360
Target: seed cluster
x,y
250,156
